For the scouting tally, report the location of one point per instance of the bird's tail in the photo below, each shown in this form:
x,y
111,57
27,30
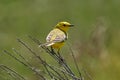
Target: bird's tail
x,y
46,44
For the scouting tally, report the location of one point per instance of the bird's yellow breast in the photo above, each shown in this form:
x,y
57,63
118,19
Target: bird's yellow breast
x,y
58,45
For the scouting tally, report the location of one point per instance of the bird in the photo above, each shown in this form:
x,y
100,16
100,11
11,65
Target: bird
x,y
58,36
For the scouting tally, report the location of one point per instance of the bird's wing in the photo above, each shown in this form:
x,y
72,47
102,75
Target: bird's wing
x,y
55,36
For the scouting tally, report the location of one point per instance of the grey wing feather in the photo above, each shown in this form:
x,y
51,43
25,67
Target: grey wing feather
x,y
56,36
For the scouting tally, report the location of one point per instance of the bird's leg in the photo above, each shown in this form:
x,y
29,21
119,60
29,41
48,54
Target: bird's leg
x,y
58,51
52,50
60,57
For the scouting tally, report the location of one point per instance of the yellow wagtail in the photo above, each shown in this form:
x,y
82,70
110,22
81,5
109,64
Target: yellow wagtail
x,y
57,37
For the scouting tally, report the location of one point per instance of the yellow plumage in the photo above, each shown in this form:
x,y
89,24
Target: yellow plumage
x,y
57,37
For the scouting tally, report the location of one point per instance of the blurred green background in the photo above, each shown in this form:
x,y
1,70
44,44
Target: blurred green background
x,y
96,49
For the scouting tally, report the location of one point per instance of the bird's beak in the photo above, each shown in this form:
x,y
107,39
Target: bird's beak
x,y
71,25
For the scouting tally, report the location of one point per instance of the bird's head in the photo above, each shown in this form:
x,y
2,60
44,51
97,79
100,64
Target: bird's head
x,y
64,26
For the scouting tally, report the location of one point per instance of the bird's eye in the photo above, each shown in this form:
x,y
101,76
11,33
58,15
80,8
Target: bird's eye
x,y
64,25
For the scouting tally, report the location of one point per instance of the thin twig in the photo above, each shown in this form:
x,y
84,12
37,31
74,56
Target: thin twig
x,y
22,57
24,64
76,63
66,77
54,55
42,61
62,70
88,75
10,71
